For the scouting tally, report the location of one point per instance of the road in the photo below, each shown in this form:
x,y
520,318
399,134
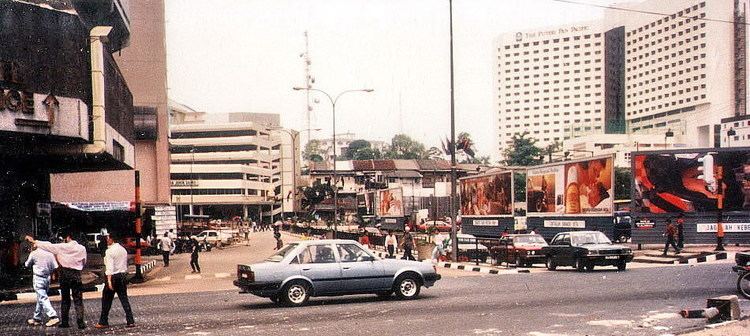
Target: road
x,y
640,301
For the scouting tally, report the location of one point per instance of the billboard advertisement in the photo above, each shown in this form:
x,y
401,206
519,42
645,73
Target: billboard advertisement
x,y
571,188
390,202
487,195
691,181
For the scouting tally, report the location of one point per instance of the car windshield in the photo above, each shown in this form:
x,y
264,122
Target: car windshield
x,y
279,256
529,239
589,238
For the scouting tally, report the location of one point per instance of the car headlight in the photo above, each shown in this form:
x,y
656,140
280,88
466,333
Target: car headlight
x,y
593,252
529,252
627,251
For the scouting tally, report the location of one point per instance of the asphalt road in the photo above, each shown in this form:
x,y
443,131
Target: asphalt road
x,y
639,301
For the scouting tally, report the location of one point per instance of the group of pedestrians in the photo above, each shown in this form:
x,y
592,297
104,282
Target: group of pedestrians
x,y
69,258
167,246
407,244
674,233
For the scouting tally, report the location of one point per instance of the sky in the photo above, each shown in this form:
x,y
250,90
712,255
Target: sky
x,y
245,56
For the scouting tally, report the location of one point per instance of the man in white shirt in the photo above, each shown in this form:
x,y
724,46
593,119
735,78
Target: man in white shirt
x,y
116,270
165,245
72,258
390,244
43,264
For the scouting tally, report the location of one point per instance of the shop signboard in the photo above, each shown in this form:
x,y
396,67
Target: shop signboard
x,y
691,181
572,188
390,202
487,195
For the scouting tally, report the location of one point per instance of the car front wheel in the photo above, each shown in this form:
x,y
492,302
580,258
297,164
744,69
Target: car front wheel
x,y
407,287
550,263
621,266
296,293
580,264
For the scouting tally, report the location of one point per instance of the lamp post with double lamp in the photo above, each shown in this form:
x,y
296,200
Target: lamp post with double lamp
x,y
669,134
293,136
335,175
730,133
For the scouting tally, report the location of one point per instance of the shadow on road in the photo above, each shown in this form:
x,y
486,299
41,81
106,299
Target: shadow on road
x,y
324,301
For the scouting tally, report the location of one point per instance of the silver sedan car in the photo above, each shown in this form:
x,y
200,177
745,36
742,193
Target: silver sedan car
x,y
329,268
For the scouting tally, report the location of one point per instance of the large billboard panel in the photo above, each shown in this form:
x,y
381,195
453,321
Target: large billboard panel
x,y
488,195
691,181
390,202
571,188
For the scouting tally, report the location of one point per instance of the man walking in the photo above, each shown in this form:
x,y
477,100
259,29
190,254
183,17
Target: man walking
x,y
43,264
408,242
116,270
72,257
390,244
680,230
194,254
719,234
165,245
670,232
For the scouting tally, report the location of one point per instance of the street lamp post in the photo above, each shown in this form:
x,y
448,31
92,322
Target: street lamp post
x,y
730,134
293,136
335,175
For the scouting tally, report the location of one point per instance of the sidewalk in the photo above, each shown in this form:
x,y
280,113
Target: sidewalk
x,y
733,328
691,254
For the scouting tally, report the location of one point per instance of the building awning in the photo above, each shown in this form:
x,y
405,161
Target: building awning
x,y
403,174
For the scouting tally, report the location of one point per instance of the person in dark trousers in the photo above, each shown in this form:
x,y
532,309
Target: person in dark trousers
x,y
195,248
165,246
719,234
680,230
669,233
72,258
102,245
408,242
116,270
391,242
277,236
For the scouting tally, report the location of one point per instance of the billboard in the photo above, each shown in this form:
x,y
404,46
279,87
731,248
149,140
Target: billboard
x,y
691,181
390,202
571,188
487,195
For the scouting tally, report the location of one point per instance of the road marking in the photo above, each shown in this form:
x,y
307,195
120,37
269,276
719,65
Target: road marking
x,y
247,327
164,279
610,323
221,275
200,333
192,277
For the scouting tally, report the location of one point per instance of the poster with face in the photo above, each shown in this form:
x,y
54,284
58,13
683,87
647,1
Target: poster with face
x,y
699,181
390,203
487,195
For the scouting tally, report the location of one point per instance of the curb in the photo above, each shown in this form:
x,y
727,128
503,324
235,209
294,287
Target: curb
x,y
480,269
707,258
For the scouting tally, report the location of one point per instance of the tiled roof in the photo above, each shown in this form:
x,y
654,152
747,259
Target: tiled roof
x,y
433,165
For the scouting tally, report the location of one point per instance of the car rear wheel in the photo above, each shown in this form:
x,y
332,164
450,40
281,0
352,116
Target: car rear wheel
x,y
621,266
580,264
550,263
296,293
407,287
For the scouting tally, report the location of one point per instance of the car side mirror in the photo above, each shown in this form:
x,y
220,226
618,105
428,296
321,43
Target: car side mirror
x,y
365,258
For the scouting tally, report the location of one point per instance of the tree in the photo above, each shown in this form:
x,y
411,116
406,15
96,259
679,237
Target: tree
x,y
522,151
485,160
434,153
519,186
315,194
405,148
622,183
313,151
361,150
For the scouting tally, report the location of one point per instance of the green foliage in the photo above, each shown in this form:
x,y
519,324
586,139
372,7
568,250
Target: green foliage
x,y
522,151
315,194
313,151
485,160
405,148
519,186
361,150
622,183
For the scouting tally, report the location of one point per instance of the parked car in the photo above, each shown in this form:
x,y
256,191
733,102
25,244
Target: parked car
x,y
585,249
521,249
129,245
329,268
441,226
468,248
214,237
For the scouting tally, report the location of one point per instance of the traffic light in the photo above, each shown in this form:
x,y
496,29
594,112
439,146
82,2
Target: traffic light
x,y
707,172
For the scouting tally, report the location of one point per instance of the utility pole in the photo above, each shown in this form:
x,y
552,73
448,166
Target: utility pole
x,y
454,240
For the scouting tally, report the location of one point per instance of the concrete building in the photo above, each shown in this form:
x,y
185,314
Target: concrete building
x,y
735,131
233,165
342,145
551,83
143,65
621,145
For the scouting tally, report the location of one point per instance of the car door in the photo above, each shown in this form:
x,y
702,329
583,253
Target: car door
x,y
359,270
318,263
565,250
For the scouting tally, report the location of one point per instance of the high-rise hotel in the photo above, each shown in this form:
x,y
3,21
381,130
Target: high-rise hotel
x,y
656,66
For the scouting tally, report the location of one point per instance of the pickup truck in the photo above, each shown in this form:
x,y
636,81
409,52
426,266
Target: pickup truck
x,y
214,237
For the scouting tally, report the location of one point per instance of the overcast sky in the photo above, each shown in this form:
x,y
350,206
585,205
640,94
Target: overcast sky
x,y
244,56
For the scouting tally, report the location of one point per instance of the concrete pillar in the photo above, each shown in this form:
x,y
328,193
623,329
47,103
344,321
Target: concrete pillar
x,y
244,211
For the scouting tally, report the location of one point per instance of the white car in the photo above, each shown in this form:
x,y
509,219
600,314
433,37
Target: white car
x,y
214,237
469,248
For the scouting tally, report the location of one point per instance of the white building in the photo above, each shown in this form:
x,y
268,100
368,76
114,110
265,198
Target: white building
x,y
621,145
685,71
232,166
551,83
342,145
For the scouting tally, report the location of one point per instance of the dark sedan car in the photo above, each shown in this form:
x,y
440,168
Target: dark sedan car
x,y
521,249
585,249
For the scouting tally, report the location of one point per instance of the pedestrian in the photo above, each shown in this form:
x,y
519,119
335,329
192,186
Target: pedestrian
x,y
246,231
408,242
390,244
277,236
680,230
533,230
364,239
116,270
669,233
43,264
719,234
505,232
439,249
165,245
102,245
72,258
194,254
254,225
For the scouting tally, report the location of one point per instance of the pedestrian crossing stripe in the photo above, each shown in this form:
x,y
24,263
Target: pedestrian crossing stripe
x,y
222,275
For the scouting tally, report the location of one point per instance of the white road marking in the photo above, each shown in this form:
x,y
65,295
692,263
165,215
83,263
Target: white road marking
x,y
610,323
221,275
192,277
164,279
200,333
247,327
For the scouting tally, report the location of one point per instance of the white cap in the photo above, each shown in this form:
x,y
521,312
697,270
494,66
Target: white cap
x,y
572,175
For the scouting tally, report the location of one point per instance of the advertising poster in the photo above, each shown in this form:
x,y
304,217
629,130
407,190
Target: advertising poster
x,y
487,195
390,203
571,188
691,182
